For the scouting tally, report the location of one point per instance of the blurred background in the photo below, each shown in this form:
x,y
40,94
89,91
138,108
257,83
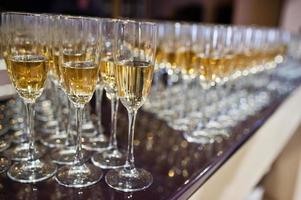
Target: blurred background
x,y
273,13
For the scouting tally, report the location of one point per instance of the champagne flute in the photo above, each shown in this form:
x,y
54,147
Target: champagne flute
x,y
99,142
27,61
57,136
19,152
65,152
210,59
111,157
134,58
79,66
4,142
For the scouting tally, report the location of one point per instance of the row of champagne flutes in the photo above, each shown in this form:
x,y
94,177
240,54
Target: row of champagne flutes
x,y
213,67
82,54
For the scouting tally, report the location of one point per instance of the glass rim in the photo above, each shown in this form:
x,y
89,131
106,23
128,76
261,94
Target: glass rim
x,y
130,21
22,13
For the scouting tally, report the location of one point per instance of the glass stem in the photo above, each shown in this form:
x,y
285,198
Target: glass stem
x,y
169,88
79,122
58,110
186,83
70,140
30,129
205,102
129,164
99,93
114,109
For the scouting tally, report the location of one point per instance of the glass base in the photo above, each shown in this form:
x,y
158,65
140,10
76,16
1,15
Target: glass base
x,y
5,142
167,114
55,140
198,136
181,124
49,127
214,124
20,152
226,121
44,118
219,132
19,137
88,130
97,143
17,124
129,180
207,135
109,159
78,176
66,156
4,164
4,129
31,171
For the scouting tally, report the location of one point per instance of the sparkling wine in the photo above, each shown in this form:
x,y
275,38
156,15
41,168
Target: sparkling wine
x,y
79,79
209,68
184,61
28,74
134,79
107,73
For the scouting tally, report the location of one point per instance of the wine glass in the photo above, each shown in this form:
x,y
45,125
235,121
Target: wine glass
x,y
63,139
183,59
79,67
27,59
134,59
167,48
57,135
4,141
19,151
111,157
210,59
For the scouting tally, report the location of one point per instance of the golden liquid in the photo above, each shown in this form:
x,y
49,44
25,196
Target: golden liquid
x,y
241,60
282,49
107,72
56,65
211,68
79,79
159,56
134,79
28,74
169,59
184,62
23,48
228,65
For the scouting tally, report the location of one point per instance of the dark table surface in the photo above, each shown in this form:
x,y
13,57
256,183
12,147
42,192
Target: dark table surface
x,y
178,167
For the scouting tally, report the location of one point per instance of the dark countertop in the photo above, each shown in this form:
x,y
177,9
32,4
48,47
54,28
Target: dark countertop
x,y
179,168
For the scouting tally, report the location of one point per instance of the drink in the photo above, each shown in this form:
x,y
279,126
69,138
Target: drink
x,y
28,74
228,65
184,62
79,79
210,68
134,79
242,61
107,72
56,65
159,56
169,58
